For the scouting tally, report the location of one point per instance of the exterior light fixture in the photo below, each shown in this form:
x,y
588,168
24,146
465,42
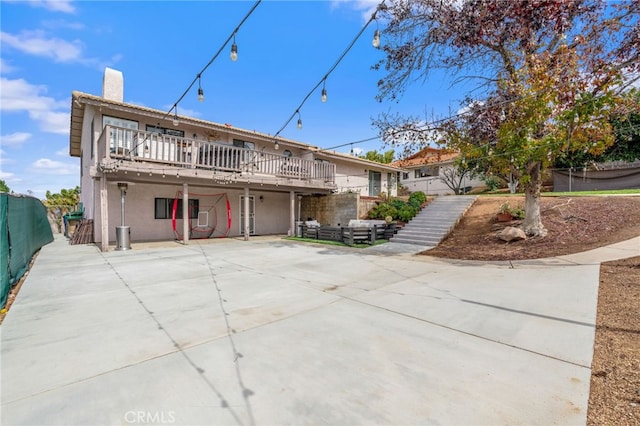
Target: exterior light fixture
x,y
234,50
376,39
323,98
299,120
276,146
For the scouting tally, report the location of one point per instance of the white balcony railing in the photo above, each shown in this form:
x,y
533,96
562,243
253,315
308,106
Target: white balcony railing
x,y
137,145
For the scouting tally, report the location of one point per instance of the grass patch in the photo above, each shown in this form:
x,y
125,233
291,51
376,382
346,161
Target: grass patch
x,y
333,243
588,193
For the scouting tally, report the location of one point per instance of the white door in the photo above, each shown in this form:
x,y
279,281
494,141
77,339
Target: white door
x,y
252,215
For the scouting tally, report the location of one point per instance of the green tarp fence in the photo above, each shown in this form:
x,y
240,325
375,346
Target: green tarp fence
x,y
24,229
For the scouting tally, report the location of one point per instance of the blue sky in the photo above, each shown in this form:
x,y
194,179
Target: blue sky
x,y
50,48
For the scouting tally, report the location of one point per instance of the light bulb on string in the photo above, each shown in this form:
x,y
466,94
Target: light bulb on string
x,y
299,125
323,97
376,39
234,50
200,91
176,121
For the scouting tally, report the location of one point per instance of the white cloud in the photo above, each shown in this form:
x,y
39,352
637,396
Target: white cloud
x,y
366,7
357,151
5,67
15,139
3,159
38,44
63,24
52,167
52,121
19,95
9,178
64,152
53,5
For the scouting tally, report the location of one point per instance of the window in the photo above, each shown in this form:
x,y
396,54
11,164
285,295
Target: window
x,y
164,208
286,153
391,182
427,171
375,179
243,144
120,141
405,176
164,131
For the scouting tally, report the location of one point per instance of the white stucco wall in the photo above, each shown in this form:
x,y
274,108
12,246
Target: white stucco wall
x,y
433,185
271,213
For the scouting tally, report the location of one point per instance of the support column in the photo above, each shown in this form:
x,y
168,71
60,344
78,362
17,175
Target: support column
x,y
104,214
246,228
292,213
185,213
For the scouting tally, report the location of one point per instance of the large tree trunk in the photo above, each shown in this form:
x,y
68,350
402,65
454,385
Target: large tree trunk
x,y
532,224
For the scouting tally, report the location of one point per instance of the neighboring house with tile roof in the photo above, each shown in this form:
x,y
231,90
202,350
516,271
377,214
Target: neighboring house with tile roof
x,y
424,171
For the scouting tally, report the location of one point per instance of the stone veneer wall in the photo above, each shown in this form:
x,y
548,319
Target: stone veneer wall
x,y
330,209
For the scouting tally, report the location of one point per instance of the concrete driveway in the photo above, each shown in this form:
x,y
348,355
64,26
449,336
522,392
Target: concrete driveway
x,y
276,332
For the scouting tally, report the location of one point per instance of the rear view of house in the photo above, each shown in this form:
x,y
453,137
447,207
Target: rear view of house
x,y
162,176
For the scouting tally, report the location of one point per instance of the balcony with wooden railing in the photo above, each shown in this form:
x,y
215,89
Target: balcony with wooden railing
x,y
128,146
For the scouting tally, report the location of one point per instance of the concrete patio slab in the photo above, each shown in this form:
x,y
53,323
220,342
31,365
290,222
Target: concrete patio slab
x,y
276,332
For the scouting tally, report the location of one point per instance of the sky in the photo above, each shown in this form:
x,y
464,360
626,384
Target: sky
x,y
49,48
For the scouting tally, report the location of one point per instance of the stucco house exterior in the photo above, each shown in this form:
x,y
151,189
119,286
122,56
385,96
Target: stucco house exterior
x,y
424,170
152,169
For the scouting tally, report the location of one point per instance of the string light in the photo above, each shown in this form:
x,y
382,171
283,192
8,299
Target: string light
x,y
333,67
176,121
376,39
323,97
200,91
234,49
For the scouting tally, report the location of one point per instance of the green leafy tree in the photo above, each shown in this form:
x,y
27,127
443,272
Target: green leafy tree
x,y
3,186
626,128
59,204
379,157
549,77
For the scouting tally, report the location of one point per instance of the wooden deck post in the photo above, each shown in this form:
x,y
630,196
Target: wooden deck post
x,y
104,214
185,213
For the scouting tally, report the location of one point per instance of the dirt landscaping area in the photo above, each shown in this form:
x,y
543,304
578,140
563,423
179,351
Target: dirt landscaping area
x,y
577,224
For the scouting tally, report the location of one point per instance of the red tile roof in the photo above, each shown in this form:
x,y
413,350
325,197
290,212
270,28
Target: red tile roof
x,y
426,156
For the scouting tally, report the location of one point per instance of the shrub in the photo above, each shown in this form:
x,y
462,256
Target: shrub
x,y
407,213
417,199
383,210
492,182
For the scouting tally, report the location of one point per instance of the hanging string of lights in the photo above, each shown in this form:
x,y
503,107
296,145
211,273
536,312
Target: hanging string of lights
x,y
198,78
233,56
323,80
433,125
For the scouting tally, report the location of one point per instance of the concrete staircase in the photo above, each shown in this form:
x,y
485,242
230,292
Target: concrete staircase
x,y
435,221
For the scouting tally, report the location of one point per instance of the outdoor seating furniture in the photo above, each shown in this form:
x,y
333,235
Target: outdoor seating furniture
x,y
349,235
